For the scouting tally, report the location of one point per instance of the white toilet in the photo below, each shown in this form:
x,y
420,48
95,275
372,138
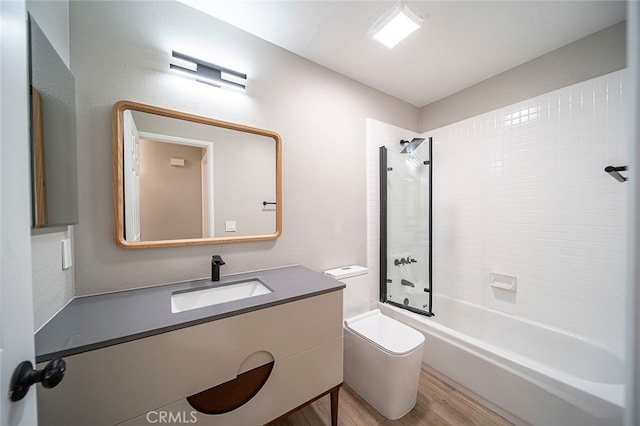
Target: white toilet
x,y
382,356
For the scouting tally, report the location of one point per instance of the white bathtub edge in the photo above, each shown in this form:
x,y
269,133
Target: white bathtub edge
x,y
519,401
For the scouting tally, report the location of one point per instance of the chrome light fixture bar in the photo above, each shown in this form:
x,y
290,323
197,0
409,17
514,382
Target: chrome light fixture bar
x,y
395,26
208,73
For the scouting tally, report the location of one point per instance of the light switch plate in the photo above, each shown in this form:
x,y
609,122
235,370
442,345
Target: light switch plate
x,y
67,257
230,226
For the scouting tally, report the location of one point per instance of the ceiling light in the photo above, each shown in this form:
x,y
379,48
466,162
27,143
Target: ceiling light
x,y
208,73
395,26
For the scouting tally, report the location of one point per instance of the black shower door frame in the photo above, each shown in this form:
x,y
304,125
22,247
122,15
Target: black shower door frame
x,y
384,170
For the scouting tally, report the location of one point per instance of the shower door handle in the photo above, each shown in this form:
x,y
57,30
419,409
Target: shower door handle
x,y
407,283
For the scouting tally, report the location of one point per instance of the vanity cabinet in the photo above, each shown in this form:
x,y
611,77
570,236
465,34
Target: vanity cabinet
x,y
134,383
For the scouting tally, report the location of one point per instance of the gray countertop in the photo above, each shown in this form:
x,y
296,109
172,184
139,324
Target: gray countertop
x,y
93,322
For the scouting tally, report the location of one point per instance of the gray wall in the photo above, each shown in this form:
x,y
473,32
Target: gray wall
x,y
121,50
592,56
244,168
53,19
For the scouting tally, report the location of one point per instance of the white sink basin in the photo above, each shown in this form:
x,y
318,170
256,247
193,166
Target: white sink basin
x,y
193,299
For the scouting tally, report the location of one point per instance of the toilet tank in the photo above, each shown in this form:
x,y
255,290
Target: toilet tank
x,y
356,292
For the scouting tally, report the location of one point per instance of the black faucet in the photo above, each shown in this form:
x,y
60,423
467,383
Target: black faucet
x,y
216,263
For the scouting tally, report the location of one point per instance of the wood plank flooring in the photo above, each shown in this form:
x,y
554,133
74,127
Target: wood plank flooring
x,y
438,404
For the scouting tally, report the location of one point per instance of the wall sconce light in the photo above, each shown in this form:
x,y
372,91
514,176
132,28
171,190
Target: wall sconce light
x,y
207,73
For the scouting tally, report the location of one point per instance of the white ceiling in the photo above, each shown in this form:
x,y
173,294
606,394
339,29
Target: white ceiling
x,y
459,44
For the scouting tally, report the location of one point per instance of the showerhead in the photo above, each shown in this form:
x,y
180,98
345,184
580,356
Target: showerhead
x,y
409,147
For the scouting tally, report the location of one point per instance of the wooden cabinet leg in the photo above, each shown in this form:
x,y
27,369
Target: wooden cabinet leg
x,y
333,392
334,406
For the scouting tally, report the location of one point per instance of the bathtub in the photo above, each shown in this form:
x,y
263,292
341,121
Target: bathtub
x,y
528,372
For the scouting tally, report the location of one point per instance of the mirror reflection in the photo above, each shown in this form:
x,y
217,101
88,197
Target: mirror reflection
x,y
53,134
184,179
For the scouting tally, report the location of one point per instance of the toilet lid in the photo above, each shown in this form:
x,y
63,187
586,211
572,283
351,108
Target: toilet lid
x,y
387,333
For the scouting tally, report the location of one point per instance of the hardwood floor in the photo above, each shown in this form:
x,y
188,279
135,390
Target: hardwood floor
x,y
438,404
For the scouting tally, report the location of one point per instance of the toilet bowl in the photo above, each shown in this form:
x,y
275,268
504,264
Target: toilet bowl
x,y
382,356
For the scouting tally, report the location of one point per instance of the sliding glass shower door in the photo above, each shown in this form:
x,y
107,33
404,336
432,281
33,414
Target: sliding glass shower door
x,y
405,243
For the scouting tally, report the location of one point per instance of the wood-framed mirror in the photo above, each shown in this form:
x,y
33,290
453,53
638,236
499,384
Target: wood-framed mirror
x,y
182,179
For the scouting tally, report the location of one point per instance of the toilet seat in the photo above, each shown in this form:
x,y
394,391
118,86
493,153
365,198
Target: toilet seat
x,y
389,335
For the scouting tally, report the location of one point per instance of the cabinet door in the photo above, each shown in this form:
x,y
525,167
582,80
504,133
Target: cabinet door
x,y
114,384
293,381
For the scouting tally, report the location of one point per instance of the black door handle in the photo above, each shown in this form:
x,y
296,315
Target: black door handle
x,y
24,376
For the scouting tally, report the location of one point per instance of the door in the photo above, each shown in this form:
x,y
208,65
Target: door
x,y
131,146
206,172
204,182
16,306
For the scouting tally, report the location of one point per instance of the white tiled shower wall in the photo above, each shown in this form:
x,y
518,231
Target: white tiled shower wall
x,y
521,191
